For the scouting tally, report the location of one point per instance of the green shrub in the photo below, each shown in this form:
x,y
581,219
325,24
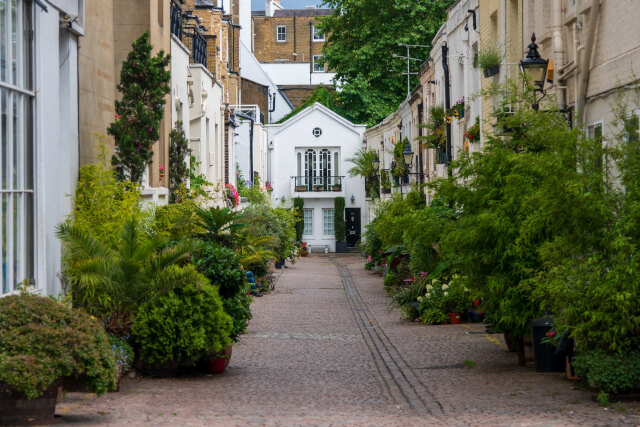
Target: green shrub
x,y
340,226
612,373
182,325
221,266
390,280
240,311
123,353
42,340
298,205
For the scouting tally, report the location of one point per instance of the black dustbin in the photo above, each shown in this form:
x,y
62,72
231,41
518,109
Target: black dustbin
x,y
545,354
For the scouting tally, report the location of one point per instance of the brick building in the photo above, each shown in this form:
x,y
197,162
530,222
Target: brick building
x,y
289,45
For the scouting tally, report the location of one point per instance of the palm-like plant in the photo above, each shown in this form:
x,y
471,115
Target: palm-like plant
x,y
257,249
112,280
363,164
221,225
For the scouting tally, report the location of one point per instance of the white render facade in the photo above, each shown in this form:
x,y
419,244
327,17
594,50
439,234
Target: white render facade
x,y
38,137
308,157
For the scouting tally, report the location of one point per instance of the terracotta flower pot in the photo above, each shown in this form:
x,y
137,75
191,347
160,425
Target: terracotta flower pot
x,y
455,318
219,363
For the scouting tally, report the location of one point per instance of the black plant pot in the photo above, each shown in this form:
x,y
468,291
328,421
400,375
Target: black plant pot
x,y
491,71
341,247
17,410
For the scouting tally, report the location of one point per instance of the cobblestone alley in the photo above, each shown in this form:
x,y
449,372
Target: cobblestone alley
x,y
325,348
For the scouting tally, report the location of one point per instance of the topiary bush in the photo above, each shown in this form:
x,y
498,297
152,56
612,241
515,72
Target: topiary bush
x,y
42,340
182,325
340,226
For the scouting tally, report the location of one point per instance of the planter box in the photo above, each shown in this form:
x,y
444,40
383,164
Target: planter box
x,y
317,188
491,71
16,409
301,188
336,188
341,247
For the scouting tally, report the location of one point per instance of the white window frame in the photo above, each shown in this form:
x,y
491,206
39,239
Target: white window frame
x,y
316,35
316,70
310,223
328,229
18,257
283,34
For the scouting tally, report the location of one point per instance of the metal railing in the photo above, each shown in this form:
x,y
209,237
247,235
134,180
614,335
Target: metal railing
x,y
317,183
176,20
199,48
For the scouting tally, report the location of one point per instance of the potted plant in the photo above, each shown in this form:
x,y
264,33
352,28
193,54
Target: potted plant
x,y
181,326
458,108
340,226
489,59
301,188
303,250
473,133
318,187
43,341
336,187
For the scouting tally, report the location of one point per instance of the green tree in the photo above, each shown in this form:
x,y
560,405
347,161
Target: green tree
x,y
144,83
178,168
340,226
363,35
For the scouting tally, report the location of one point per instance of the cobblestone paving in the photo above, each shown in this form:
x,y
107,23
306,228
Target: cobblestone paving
x,y
325,349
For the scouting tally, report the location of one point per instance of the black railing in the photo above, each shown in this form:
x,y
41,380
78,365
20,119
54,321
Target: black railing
x,y
317,183
176,20
199,48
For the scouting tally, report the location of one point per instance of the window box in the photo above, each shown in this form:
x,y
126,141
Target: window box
x,y
318,188
301,188
336,187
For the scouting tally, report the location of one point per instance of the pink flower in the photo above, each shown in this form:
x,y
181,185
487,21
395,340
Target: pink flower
x,y
379,252
117,116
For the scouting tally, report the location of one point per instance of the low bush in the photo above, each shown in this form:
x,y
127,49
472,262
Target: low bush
x,y
612,373
222,267
42,340
182,325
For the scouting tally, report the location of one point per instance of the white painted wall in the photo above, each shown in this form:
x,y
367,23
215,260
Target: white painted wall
x,y
298,73
55,140
296,134
254,71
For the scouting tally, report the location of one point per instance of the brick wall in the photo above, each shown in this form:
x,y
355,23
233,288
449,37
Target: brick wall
x,y
297,94
268,49
255,94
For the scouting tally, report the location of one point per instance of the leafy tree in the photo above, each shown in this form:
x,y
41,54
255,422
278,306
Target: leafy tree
x,y
363,34
178,168
298,205
144,83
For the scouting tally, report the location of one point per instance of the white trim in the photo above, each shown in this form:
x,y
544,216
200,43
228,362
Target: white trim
x,y
278,34
277,128
317,40
324,69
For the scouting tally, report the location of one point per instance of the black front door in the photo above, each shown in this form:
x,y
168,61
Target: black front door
x,y
352,218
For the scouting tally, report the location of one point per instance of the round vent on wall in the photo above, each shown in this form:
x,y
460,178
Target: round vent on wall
x,y
317,132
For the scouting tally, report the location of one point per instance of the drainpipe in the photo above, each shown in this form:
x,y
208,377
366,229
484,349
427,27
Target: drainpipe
x,y
310,50
447,101
558,50
503,37
586,63
295,49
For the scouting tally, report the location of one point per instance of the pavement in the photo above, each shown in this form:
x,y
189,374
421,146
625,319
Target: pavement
x,y
325,348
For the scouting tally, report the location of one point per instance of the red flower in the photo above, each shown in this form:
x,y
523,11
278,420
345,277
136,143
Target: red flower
x,y
476,303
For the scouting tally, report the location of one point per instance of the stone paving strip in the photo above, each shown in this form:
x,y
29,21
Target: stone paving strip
x,y
325,348
389,361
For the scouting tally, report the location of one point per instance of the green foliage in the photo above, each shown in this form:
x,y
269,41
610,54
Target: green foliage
x,y
42,340
385,181
488,57
123,354
101,203
363,164
436,125
184,324
144,84
434,316
275,226
298,205
612,373
340,225
390,280
111,279
325,96
178,169
239,310
443,296
469,363
401,168
363,35
221,266
197,181
220,225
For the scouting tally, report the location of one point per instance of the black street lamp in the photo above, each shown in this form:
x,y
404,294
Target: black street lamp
x,y
534,69
407,154
375,163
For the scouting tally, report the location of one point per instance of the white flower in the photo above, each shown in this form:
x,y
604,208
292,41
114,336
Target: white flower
x,y
427,295
419,298
445,293
445,287
429,287
466,290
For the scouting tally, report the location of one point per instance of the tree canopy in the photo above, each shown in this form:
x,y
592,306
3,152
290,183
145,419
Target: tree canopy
x,y
363,35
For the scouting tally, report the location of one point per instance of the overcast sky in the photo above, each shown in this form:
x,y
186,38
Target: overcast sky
x,y
287,4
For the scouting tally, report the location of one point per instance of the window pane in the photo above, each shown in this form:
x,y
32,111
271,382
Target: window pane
x,y
308,222
328,222
4,42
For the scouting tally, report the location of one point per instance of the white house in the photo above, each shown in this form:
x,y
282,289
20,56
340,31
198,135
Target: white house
x,y
308,157
38,137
